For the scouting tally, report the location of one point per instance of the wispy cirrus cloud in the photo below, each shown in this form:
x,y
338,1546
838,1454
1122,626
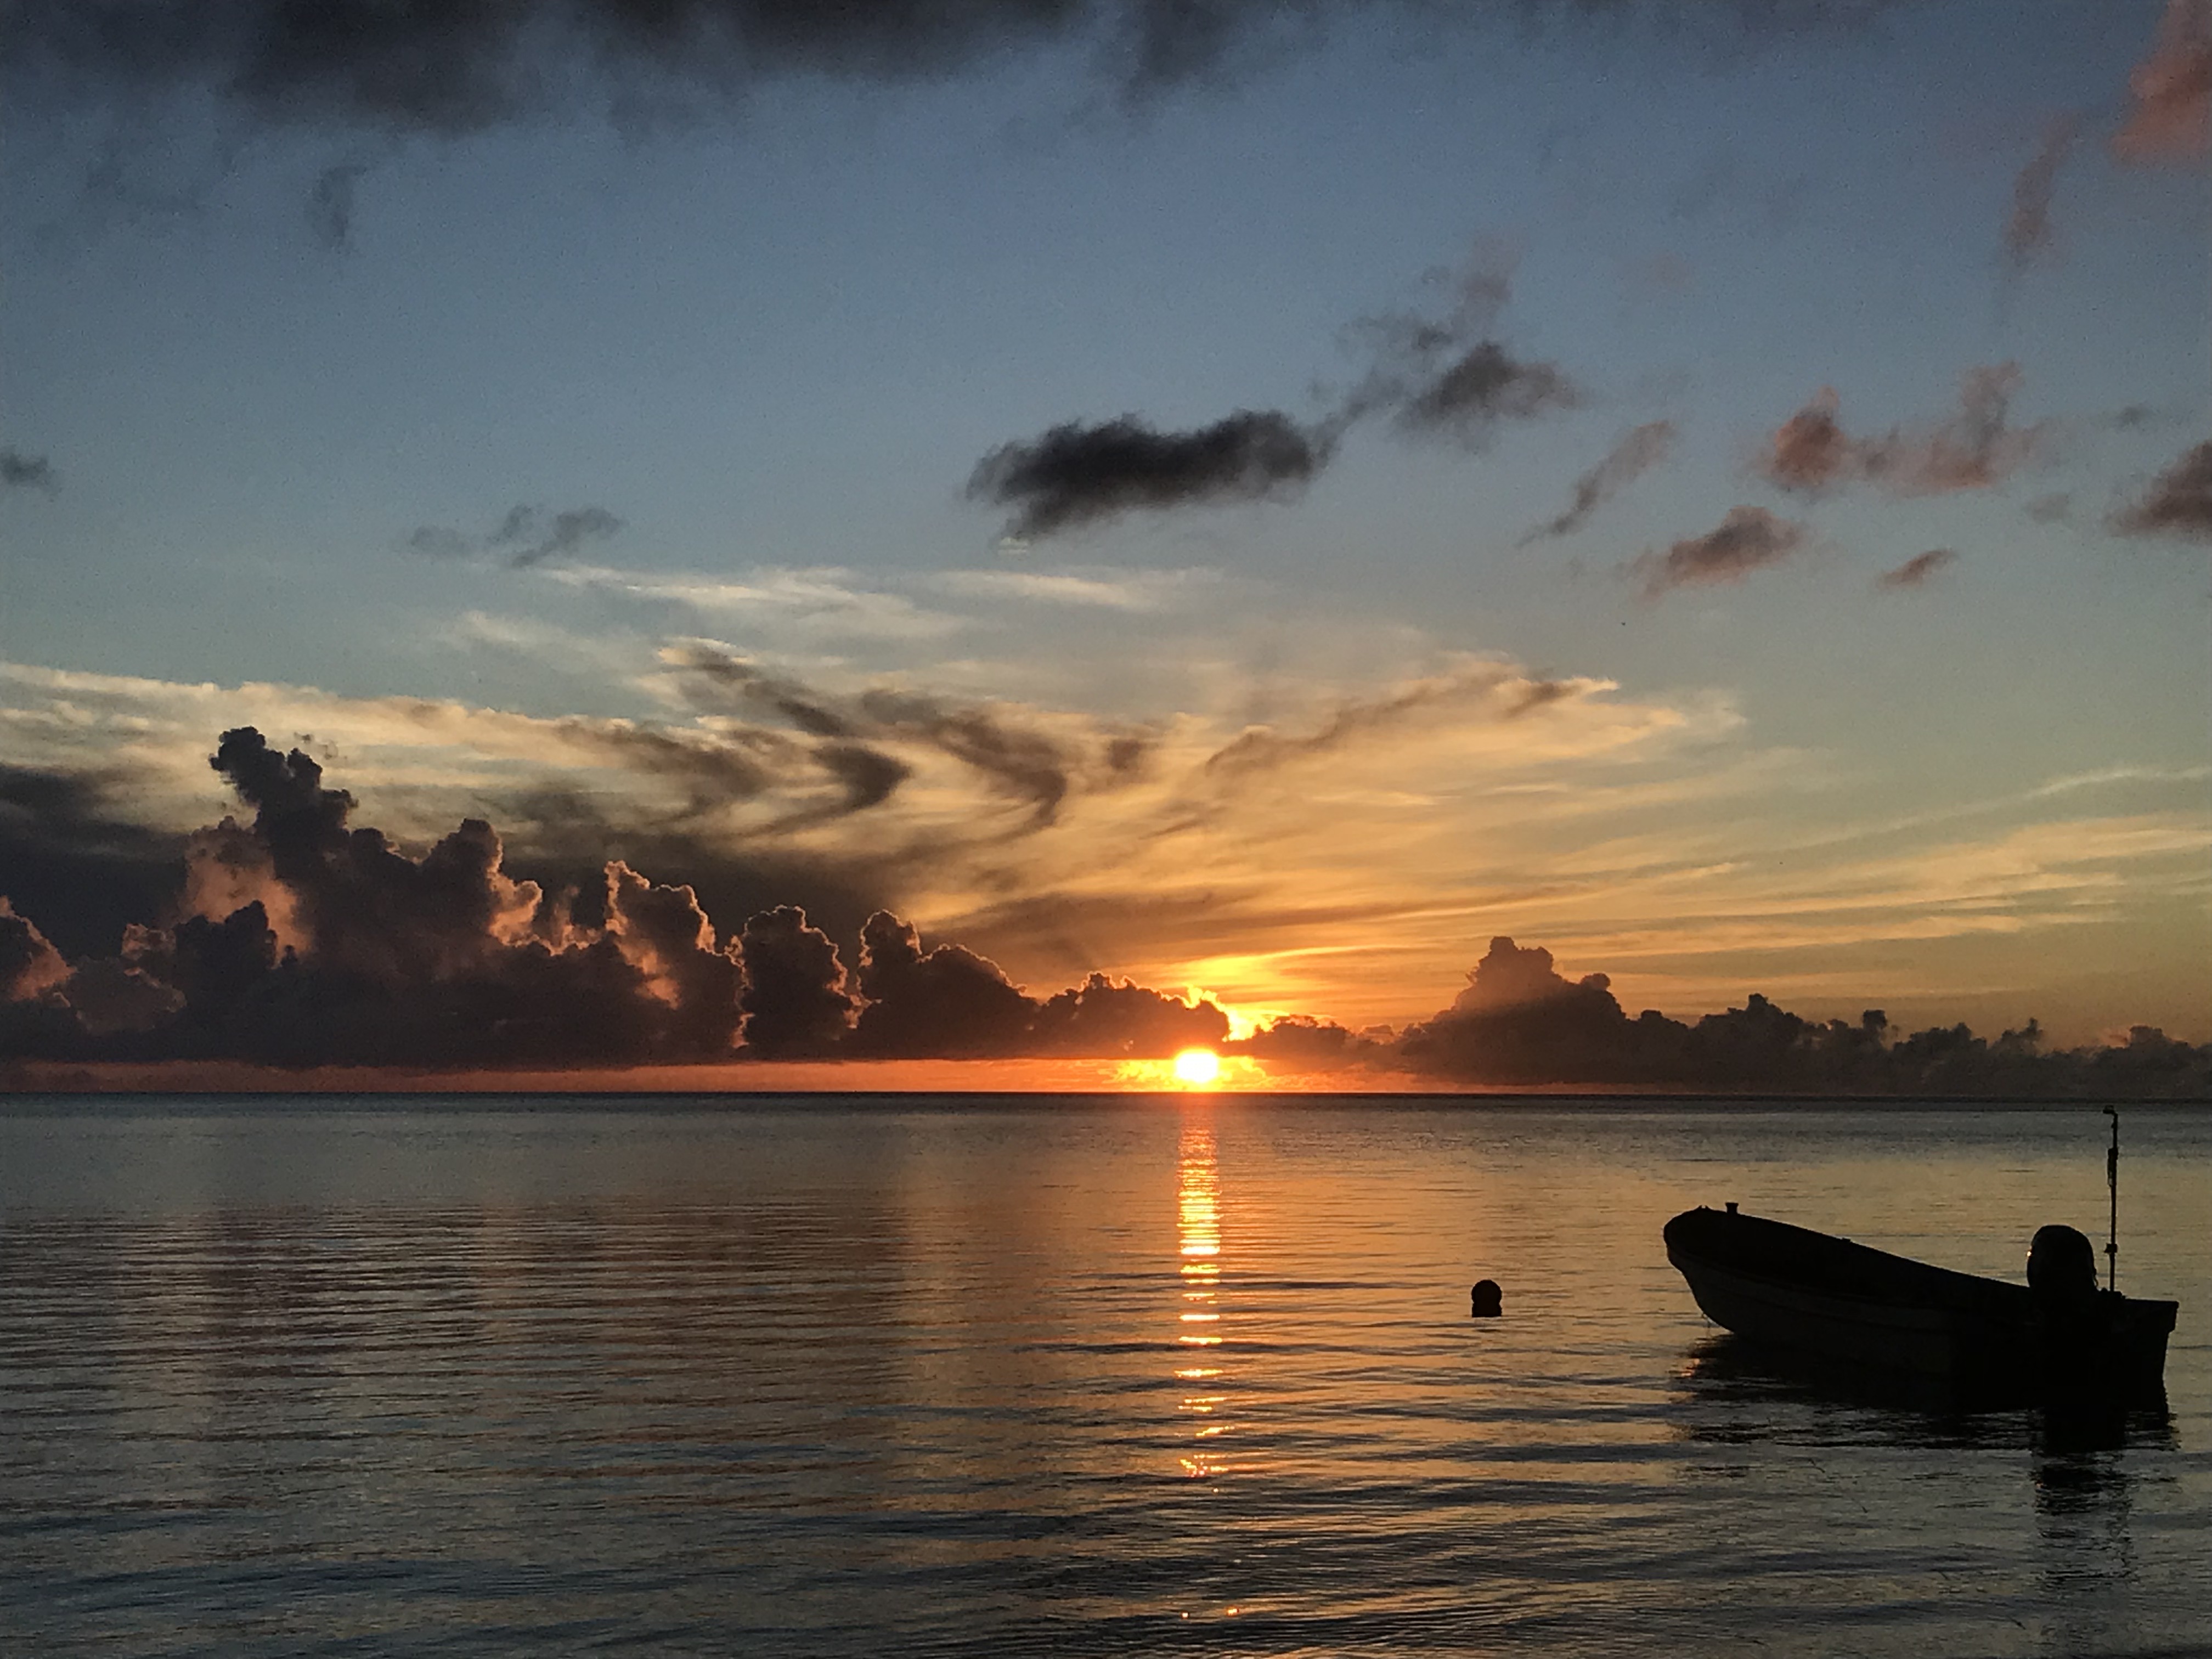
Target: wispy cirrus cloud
x,y
1137,591
824,602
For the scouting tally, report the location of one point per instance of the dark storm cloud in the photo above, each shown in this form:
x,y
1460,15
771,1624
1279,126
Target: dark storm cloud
x,y
2169,116
1749,538
22,471
2027,230
1916,571
1077,474
2178,502
1638,451
1976,448
450,69
526,536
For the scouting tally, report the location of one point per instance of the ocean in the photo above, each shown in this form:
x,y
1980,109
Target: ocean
x,y
1161,1374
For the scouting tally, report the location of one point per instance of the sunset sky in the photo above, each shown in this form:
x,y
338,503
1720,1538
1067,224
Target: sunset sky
x,y
1706,488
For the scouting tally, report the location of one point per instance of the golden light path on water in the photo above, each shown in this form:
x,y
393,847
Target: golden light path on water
x,y
1198,1245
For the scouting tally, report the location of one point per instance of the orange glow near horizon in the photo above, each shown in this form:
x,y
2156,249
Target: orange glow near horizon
x,y
1198,1068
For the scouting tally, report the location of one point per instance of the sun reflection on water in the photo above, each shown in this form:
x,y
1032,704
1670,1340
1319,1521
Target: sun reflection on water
x,y
1197,1244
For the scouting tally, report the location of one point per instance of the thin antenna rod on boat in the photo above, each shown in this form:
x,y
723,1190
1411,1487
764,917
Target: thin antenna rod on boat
x,y
2112,1182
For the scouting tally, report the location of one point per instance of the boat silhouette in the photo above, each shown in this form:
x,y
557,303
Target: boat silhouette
x,y
2058,1340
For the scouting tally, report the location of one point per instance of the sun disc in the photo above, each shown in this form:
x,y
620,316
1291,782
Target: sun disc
x,y
1197,1066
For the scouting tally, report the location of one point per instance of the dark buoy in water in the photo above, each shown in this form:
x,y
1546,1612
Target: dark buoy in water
x,y
1486,1300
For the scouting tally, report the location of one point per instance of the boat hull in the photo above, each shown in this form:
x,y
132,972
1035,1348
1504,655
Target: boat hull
x,y
1980,1340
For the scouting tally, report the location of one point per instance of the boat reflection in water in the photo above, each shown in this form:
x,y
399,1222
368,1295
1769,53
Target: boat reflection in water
x,y
1905,1467
1198,1336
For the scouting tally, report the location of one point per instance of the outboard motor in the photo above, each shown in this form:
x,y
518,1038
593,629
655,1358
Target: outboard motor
x,y
2072,1327
2062,1268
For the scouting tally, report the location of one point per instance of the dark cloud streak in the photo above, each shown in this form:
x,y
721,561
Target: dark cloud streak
x,y
2027,230
22,471
1918,570
1638,451
1077,474
1749,538
527,536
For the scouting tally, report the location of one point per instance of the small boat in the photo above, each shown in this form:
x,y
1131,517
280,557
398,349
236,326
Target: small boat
x,y
2057,1340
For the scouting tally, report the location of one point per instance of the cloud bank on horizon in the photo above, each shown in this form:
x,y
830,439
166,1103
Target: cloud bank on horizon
x,y
303,939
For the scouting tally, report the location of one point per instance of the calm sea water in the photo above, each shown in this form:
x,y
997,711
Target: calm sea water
x,y
1150,1376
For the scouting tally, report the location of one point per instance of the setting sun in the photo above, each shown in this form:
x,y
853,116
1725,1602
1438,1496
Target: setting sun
x,y
1197,1067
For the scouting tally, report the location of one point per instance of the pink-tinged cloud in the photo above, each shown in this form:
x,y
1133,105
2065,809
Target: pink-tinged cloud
x,y
2170,115
1919,569
2178,502
1749,538
1978,447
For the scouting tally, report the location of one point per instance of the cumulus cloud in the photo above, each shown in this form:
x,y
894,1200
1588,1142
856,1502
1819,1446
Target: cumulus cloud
x,y
1749,538
2178,502
1635,453
2027,230
2170,112
1916,571
795,1001
1077,474
946,1003
1976,448
527,536
22,471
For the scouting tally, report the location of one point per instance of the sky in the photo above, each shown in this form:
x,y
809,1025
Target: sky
x,y
1261,499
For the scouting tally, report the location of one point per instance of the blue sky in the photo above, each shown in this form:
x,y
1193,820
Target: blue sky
x,y
774,342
